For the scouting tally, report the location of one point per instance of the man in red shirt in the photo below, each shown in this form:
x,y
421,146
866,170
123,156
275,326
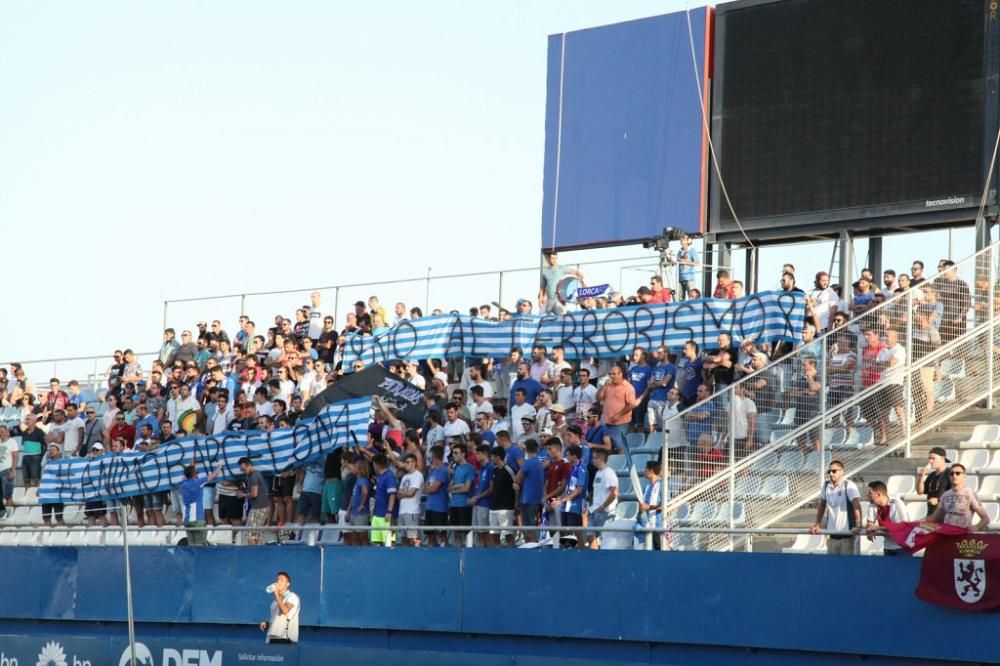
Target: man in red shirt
x,y
872,406
557,472
723,286
55,399
120,429
659,295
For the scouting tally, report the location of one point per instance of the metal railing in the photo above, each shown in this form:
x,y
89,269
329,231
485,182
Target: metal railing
x,y
835,398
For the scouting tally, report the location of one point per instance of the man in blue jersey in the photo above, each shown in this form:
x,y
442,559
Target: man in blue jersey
x,y
463,476
639,375
693,373
530,482
194,509
385,500
524,381
661,381
687,266
481,500
571,502
436,492
651,503
514,453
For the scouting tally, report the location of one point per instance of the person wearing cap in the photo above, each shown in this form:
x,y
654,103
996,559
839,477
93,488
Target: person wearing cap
x,y
520,410
934,479
362,321
558,423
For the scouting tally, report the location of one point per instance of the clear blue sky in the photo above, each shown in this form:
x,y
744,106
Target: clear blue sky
x,y
152,151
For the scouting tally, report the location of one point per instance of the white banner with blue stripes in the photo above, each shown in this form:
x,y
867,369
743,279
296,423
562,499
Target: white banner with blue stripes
x,y
769,316
112,476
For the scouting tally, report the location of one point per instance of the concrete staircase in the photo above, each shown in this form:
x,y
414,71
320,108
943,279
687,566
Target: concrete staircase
x,y
948,435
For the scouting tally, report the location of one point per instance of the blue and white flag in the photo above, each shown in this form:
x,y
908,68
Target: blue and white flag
x,y
115,476
766,317
596,290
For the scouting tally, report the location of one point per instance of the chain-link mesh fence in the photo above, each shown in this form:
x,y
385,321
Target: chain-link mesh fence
x,y
756,450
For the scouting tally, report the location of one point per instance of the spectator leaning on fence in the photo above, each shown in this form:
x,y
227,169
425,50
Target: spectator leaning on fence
x,y
839,511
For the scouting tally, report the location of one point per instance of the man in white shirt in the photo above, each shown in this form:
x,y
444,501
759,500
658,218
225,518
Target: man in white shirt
x,y
883,509
584,395
840,505
822,301
184,403
892,362
520,410
223,413
602,509
413,375
315,316
478,403
409,501
565,390
74,431
284,624
559,363
454,427
57,430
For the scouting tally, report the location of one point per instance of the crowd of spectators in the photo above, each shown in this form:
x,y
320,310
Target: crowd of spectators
x,y
520,441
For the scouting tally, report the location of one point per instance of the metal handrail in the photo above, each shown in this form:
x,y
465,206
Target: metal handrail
x,y
670,529
823,340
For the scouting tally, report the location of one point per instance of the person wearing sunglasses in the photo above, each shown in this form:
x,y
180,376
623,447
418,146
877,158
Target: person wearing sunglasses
x,y
840,504
958,504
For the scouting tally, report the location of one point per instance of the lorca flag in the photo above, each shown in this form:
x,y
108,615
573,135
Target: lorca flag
x,y
960,569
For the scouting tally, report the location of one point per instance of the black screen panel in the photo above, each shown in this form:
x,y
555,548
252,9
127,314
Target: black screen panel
x,y
830,105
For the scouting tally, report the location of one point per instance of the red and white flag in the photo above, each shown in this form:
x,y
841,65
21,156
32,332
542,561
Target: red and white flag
x,y
960,569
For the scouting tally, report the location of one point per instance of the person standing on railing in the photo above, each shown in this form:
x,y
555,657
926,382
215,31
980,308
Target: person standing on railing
x,y
687,266
840,508
551,275
618,399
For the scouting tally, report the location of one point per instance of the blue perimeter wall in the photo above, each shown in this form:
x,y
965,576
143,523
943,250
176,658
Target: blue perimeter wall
x,y
445,604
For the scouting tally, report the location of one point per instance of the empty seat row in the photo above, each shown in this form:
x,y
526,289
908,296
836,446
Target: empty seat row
x,y
984,435
772,487
706,511
94,536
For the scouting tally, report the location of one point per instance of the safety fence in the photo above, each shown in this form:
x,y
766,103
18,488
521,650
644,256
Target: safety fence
x,y
758,450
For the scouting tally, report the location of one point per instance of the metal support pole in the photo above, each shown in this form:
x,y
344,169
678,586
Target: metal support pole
x,y
908,401
846,264
166,305
243,305
732,462
123,519
750,285
824,380
500,293
336,306
990,331
875,257
427,293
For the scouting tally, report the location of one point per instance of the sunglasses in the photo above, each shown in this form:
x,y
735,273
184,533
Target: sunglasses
x,y
833,471
957,473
